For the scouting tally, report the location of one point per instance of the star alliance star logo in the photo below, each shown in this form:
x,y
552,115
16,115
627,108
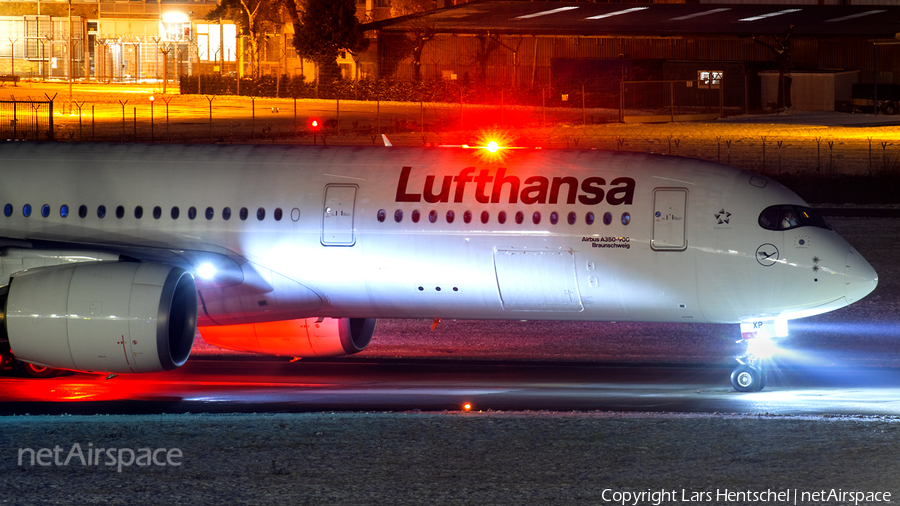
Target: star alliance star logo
x,y
723,217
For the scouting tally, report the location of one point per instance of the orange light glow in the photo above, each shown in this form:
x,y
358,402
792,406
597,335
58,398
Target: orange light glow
x,y
492,146
467,407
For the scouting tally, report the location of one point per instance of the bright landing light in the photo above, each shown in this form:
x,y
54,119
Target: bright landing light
x,y
492,146
206,271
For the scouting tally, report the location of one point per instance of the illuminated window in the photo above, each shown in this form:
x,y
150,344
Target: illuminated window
x,y
589,218
226,213
626,218
214,44
175,212
450,216
64,211
120,212
138,212
278,214
709,79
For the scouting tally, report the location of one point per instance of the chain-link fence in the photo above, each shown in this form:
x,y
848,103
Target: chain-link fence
x,y
26,120
781,150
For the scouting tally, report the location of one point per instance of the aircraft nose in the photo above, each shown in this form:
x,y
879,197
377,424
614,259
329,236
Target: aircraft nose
x,y
859,277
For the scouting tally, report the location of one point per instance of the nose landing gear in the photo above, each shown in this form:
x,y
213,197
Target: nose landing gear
x,y
750,375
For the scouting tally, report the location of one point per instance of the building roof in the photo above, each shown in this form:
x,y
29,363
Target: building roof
x,y
653,20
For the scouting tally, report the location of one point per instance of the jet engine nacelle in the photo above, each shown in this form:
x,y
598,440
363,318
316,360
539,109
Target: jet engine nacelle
x,y
306,337
117,317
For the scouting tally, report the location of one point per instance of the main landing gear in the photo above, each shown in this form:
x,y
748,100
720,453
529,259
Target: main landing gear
x,y
750,375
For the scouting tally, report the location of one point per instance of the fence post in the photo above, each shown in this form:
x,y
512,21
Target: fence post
x,y
672,101
50,133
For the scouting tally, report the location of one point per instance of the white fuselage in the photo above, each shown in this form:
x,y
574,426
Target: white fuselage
x,y
671,239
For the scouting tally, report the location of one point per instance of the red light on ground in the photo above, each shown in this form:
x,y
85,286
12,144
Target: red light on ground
x,y
314,123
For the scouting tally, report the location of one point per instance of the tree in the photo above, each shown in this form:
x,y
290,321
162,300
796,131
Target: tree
x,y
326,28
782,51
406,7
253,17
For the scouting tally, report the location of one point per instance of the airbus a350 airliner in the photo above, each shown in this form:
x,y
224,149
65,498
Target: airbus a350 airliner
x,y
114,253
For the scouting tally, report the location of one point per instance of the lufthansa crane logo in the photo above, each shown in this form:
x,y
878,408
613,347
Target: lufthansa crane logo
x,y
767,255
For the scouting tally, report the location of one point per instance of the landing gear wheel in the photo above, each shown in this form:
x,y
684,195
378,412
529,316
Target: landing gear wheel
x,y
38,371
748,379
889,108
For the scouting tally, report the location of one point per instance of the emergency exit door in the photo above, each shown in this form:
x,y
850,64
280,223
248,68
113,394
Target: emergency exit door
x,y
669,218
337,215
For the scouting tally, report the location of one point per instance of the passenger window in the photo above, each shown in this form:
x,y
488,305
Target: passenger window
x,y
501,217
607,218
8,210
210,213
554,217
380,216
261,214
101,212
244,213
626,218
26,210
226,213
138,212
536,218
277,214
398,215
175,212
589,218
432,216
157,212
467,216
192,212
64,211
520,217
45,210
120,212
485,216
416,215
572,218
450,216
82,211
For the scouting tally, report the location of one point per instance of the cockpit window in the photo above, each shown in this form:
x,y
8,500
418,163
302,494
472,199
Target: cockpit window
x,y
786,217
